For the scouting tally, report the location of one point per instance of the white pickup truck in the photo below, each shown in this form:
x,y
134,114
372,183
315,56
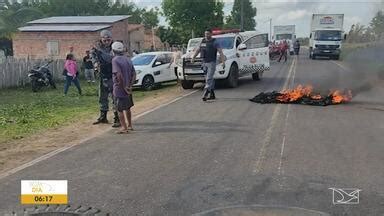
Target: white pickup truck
x,y
246,53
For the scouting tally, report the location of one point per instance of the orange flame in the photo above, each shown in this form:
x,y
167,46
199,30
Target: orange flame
x,y
339,97
295,94
292,95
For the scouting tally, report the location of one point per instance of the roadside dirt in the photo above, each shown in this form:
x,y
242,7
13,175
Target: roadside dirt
x,y
18,152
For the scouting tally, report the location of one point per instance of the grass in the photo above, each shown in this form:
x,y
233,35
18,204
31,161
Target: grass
x,y
348,48
23,112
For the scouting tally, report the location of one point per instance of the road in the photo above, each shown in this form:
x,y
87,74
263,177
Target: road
x,y
189,157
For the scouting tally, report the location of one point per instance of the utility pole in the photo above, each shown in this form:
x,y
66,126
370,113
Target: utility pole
x,y
242,15
270,29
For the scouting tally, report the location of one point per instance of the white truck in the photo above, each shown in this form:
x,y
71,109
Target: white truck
x,y
326,35
285,32
243,57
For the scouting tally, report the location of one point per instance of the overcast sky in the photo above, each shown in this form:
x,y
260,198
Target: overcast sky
x,y
298,12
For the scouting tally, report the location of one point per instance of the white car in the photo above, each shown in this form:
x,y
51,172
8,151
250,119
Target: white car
x,y
246,53
153,68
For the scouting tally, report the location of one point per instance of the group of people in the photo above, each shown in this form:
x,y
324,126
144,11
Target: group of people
x,y
282,48
117,76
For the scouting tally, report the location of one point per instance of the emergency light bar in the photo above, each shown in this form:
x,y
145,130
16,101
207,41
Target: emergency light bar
x,y
224,31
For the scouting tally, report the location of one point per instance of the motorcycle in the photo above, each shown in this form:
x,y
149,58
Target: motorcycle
x,y
40,77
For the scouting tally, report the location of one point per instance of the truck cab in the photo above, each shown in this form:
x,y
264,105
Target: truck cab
x,y
243,57
325,42
325,38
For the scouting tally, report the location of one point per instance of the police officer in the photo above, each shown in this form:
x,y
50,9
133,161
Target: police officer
x,y
102,55
208,49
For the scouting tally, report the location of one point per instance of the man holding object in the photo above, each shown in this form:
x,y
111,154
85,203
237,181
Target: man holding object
x,y
124,75
208,49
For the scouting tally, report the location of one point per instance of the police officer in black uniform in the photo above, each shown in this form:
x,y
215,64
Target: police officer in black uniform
x,y
102,56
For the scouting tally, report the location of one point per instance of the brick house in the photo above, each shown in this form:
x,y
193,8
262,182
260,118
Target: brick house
x,y
51,37
150,38
142,39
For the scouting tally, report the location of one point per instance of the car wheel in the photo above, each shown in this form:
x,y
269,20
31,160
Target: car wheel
x,y
256,76
233,77
336,57
148,83
187,84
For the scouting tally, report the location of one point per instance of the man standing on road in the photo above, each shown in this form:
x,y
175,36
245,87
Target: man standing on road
x,y
124,76
102,55
296,47
208,49
283,46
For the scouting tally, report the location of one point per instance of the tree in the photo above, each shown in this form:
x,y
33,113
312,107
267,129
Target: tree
x,y
150,18
249,12
15,15
377,25
193,16
169,35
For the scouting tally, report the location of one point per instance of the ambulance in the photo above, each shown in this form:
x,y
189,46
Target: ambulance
x,y
246,53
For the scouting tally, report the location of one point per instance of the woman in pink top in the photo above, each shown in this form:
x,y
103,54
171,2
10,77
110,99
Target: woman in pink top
x,y
71,74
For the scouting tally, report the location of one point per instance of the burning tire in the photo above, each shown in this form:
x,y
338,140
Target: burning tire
x,y
303,95
233,77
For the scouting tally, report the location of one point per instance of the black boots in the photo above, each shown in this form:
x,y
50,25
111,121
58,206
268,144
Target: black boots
x,y
211,94
205,95
102,119
116,120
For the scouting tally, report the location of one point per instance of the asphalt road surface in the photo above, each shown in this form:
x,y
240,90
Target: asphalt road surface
x,y
232,156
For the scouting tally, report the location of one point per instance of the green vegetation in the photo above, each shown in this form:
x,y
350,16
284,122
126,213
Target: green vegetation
x,y
23,112
192,17
234,19
348,48
363,34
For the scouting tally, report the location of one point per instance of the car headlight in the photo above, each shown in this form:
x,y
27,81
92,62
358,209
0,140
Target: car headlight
x,y
138,72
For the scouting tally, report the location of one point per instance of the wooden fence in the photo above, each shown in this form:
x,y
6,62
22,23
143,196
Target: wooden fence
x,y
14,72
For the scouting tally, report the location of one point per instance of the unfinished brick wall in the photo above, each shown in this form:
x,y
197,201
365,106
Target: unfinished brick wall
x,y
34,44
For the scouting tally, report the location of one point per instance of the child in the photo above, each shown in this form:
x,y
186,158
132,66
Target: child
x,y
123,74
71,73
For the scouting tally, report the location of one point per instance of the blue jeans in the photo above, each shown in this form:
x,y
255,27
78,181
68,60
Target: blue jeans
x,y
68,81
209,70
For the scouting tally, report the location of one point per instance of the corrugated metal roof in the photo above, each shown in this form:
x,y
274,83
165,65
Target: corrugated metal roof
x,y
79,19
63,28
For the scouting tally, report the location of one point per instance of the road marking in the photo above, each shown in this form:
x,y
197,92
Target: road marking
x,y
341,66
272,124
280,169
57,151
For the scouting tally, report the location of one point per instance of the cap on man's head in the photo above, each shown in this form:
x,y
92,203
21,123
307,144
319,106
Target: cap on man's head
x,y
106,33
118,46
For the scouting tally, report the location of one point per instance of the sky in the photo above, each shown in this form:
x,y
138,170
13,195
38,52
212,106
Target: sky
x,y
297,12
